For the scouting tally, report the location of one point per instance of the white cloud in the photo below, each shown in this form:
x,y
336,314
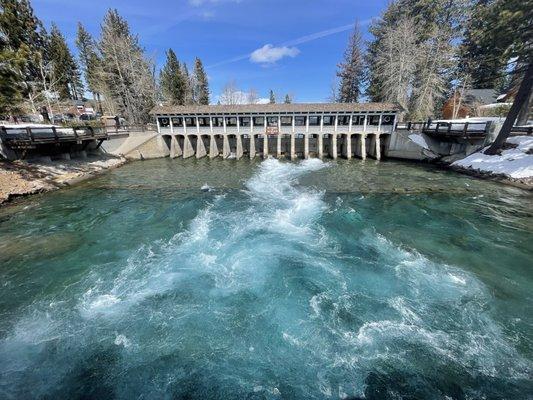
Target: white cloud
x,y
269,54
301,40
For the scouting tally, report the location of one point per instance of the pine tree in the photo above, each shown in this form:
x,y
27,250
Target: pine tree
x,y
22,53
201,86
188,84
25,32
64,68
510,35
172,81
11,78
288,99
129,75
272,97
484,66
351,69
90,62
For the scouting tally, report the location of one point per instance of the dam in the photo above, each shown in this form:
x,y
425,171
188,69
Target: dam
x,y
290,131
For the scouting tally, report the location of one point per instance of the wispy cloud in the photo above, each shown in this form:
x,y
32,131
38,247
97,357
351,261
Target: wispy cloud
x,y
301,40
269,54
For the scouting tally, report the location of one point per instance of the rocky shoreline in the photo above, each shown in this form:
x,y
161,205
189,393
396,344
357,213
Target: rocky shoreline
x,y
23,178
522,183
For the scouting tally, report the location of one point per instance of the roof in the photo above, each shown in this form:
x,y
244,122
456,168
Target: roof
x,y
483,96
276,108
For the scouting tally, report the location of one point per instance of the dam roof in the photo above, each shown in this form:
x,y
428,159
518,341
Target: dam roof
x,y
275,108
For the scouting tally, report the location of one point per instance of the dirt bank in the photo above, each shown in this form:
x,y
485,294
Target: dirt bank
x,y
22,178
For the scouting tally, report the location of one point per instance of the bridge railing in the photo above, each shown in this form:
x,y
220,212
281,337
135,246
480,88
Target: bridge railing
x,y
522,130
130,128
449,129
27,136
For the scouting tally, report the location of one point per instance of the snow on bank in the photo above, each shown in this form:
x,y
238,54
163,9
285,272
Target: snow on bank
x,y
513,163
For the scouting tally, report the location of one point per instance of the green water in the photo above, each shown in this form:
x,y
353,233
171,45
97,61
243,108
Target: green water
x,y
304,280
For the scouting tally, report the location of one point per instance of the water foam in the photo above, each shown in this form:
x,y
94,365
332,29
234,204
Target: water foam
x,y
255,278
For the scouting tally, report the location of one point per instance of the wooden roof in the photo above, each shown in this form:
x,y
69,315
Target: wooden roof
x,y
275,108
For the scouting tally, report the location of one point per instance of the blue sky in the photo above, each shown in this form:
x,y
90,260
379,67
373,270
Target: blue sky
x,y
290,46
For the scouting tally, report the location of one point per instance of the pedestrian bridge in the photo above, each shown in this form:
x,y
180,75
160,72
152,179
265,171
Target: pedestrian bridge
x,y
280,130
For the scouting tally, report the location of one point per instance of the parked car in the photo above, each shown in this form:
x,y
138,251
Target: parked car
x,y
58,119
33,118
87,117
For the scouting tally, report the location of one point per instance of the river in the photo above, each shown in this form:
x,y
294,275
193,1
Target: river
x,y
308,280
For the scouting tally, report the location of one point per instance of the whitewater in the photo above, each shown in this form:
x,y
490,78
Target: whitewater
x,y
271,285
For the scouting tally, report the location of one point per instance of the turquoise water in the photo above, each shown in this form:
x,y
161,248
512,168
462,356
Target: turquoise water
x,y
306,280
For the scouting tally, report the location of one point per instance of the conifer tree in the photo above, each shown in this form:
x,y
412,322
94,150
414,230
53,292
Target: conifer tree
x,y
510,35
23,31
288,99
272,97
201,86
11,77
484,66
64,68
351,69
172,81
90,62
128,73
22,53
188,84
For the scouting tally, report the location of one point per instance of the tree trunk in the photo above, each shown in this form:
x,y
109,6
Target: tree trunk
x,y
524,111
521,97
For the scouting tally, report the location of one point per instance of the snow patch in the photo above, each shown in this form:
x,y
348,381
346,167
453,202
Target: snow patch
x,y
514,163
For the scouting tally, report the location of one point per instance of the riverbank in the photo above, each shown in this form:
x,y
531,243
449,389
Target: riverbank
x,y
513,165
22,178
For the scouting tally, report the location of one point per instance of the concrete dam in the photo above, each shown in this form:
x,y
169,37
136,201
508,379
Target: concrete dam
x,y
280,130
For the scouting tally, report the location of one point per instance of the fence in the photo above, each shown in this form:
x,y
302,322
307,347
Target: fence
x,y
444,129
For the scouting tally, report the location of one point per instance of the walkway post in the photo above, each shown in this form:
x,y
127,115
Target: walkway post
x,y
320,145
306,146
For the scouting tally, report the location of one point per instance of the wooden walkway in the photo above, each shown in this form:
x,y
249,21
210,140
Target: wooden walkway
x,y
30,137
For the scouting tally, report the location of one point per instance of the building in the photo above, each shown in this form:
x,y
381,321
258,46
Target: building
x,y
281,130
468,103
